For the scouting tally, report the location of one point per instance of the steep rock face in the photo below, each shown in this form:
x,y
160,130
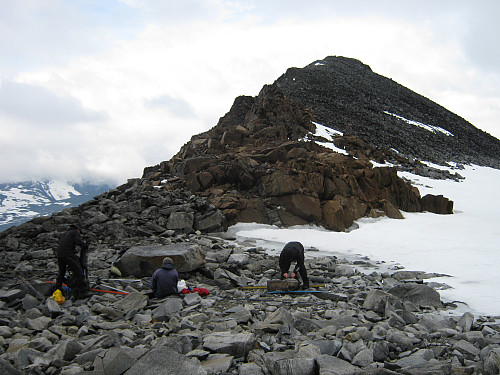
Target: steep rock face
x,y
347,95
261,164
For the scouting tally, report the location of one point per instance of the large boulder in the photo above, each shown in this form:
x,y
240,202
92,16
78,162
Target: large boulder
x,y
142,261
418,294
437,204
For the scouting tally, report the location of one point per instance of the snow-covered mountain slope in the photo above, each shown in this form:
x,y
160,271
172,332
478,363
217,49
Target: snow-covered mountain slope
x,y
22,201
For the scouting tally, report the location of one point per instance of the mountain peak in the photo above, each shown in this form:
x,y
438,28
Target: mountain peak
x,y
346,95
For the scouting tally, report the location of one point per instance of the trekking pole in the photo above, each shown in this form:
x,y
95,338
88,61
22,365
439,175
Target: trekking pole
x,y
37,293
265,287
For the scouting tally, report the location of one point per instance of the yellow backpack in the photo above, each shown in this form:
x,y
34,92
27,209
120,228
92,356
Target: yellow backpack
x,y
57,295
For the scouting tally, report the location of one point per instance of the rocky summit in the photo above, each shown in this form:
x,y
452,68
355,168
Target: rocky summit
x,y
321,145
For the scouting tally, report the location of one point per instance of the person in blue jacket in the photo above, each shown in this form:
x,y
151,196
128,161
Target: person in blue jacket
x,y
165,279
293,252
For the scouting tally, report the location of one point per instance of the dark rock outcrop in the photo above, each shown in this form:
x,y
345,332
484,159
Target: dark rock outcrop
x,y
262,163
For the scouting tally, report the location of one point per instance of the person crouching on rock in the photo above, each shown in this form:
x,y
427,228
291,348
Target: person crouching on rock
x,y
293,252
164,280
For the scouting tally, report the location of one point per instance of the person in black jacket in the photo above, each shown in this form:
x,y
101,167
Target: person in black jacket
x,y
293,252
67,259
165,279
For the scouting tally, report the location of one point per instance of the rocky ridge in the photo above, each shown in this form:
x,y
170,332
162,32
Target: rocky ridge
x,y
264,163
358,322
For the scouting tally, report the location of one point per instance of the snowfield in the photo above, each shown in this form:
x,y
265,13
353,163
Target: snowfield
x,y
465,245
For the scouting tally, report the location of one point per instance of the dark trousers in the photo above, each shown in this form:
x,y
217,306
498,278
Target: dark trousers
x,y
72,264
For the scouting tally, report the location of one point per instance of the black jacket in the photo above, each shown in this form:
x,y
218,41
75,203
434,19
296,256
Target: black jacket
x,y
68,243
293,252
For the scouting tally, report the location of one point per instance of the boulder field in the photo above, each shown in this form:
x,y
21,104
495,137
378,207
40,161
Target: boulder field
x,y
355,320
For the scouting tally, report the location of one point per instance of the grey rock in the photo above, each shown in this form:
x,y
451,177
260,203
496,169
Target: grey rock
x,y
180,220
171,306
180,343
250,369
238,259
492,362
418,294
420,357
212,222
401,339
142,261
38,324
116,361
163,360
7,369
380,350
466,348
465,322
237,345
191,299
376,301
27,357
328,365
217,363
133,301
280,316
29,302
364,358
65,350
330,347
288,363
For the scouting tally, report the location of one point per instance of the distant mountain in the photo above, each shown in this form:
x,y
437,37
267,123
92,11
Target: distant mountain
x,y
22,201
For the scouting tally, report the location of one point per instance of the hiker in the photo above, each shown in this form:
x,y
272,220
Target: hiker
x,y
293,252
165,279
67,258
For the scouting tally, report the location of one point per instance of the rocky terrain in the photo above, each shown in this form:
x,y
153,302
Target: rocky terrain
x,y
276,159
353,322
347,95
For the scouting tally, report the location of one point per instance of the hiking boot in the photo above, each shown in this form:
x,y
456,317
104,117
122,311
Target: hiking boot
x,y
83,295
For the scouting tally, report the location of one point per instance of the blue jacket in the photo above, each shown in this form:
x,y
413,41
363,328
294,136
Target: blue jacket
x,y
164,281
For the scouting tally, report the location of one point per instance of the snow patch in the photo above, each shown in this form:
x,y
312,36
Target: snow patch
x,y
61,190
431,128
328,134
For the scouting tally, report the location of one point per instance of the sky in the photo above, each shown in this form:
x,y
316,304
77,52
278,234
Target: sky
x,y
463,246
97,90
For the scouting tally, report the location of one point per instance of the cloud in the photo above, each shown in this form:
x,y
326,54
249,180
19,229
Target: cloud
x,y
40,106
176,106
113,87
35,34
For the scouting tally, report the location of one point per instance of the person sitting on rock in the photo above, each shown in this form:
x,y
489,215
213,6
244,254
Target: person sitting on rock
x,y
293,252
67,259
165,279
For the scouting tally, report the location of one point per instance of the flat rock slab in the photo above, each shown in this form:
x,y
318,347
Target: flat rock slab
x,y
142,261
237,345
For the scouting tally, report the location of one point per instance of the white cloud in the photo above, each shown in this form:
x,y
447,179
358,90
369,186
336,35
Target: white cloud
x,y
140,94
36,104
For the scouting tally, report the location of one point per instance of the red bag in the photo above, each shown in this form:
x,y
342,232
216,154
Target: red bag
x,y
201,291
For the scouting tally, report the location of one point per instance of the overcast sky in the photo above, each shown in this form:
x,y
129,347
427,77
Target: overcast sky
x,y
100,89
